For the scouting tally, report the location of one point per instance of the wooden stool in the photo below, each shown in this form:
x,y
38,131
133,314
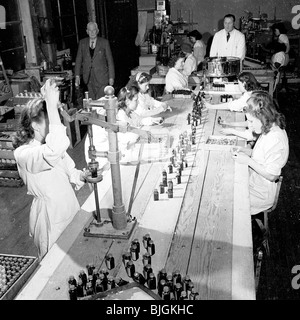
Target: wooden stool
x,y
265,225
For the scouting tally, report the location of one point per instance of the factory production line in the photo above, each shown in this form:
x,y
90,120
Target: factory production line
x,y
201,229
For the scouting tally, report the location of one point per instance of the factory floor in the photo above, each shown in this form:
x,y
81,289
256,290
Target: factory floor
x,y
276,273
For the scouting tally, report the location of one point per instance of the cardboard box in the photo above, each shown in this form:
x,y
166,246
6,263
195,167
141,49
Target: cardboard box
x,y
148,69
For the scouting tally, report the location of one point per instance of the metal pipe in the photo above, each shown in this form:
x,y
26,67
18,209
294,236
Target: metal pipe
x,y
119,218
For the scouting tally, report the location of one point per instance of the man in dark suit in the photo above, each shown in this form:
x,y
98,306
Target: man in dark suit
x,y
95,62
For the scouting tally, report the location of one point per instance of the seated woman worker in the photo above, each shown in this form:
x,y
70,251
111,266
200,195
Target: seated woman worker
x,y
147,106
270,152
175,80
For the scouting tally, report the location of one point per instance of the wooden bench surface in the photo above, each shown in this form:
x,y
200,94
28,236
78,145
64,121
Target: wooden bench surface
x,y
203,231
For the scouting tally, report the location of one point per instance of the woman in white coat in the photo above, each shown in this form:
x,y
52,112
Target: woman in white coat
x,y
48,171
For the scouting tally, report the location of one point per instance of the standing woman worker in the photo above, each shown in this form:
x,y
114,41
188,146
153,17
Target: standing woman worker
x,y
199,47
46,168
270,152
280,33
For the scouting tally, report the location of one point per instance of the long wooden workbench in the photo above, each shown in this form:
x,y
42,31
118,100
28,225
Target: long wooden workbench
x,y
203,231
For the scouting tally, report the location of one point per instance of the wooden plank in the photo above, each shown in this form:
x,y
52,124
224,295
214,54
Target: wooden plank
x,y
210,259
243,285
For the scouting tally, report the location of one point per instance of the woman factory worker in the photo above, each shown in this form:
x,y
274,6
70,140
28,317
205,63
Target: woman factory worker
x,y
280,33
190,63
127,104
147,105
126,115
44,165
199,47
270,152
175,80
247,83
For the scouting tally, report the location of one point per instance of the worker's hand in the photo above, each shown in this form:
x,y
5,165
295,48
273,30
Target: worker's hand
x,y
240,157
167,107
77,81
158,120
50,93
111,81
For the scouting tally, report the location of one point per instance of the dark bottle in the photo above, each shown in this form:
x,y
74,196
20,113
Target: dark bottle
x,y
192,294
164,178
185,283
105,273
134,252
91,280
126,257
137,243
190,287
151,282
130,268
95,276
189,119
160,286
170,193
103,279
139,278
110,282
162,275
161,188
83,277
151,248
169,282
110,261
177,290
90,268
178,177
72,281
99,286
72,292
155,195
170,167
146,259
80,289
166,293
183,295
176,276
89,288
146,239
147,270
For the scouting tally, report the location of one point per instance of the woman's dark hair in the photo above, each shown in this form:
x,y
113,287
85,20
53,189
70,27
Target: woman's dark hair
x,y
124,94
34,111
280,26
196,34
174,58
250,81
279,46
137,79
262,106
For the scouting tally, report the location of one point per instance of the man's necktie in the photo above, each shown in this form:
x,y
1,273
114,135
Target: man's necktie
x,y
228,36
92,45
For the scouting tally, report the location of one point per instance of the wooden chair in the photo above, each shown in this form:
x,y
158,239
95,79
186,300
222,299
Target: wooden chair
x,y
265,225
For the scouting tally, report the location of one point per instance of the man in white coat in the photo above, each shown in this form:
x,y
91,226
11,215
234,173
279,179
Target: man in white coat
x,y
228,42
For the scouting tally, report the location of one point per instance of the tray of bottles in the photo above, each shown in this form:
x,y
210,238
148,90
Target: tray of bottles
x,y
14,272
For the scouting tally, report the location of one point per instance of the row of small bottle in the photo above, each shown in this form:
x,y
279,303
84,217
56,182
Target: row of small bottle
x,y
92,282
226,98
